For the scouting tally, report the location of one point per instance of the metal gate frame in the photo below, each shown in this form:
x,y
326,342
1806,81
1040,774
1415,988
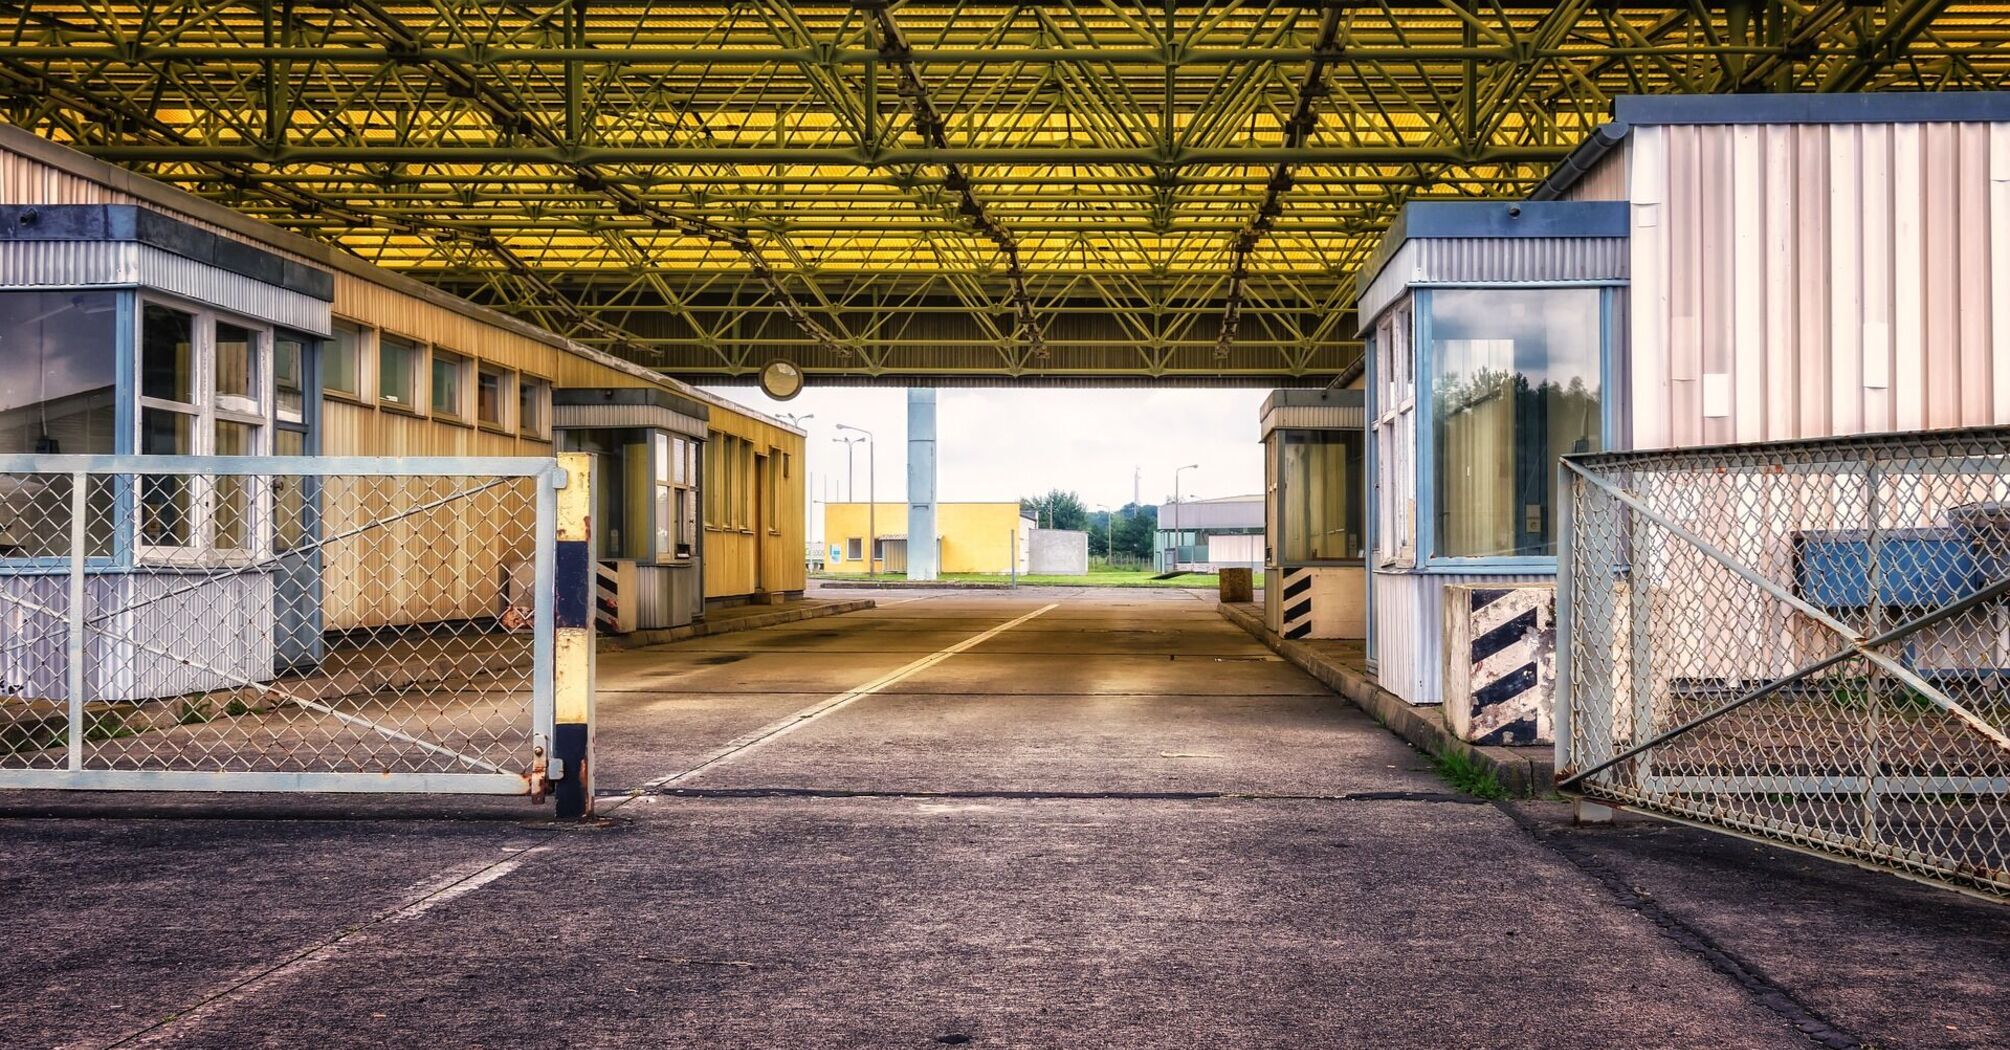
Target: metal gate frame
x,y
540,771
1626,773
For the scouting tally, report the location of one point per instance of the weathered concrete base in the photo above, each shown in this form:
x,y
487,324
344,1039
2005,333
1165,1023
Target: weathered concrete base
x,y
737,621
1519,771
1586,812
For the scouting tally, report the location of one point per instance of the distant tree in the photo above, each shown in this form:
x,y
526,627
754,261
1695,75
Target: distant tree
x,y
1056,510
1136,530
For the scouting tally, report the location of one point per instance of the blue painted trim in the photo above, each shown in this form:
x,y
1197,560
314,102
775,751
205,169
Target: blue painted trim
x,y
1527,566
1888,108
572,584
1425,419
570,742
1509,219
126,416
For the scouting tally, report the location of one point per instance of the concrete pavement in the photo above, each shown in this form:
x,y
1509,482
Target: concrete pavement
x,y
1117,821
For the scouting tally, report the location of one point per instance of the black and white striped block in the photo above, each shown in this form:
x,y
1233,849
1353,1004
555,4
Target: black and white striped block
x,y
1297,603
1506,638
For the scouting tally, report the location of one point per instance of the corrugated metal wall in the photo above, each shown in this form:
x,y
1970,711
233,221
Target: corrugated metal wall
x,y
1814,279
59,264
1606,181
1494,260
1410,625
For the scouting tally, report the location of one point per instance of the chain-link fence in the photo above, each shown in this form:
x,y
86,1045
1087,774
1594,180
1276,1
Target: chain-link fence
x,y
1807,642
276,623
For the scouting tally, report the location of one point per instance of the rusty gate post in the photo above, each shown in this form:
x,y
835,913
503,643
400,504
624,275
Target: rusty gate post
x,y
573,641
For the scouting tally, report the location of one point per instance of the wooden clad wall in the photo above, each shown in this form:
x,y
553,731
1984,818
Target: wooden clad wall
x,y
1806,280
733,541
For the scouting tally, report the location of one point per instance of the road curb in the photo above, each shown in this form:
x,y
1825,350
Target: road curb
x,y
709,628
1518,773
908,585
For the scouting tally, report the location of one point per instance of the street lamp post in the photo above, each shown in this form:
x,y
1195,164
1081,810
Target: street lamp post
x,y
1174,566
1109,534
871,502
850,482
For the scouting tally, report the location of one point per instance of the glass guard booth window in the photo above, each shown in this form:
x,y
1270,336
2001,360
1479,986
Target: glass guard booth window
x,y
1320,496
1514,385
676,533
202,393
58,394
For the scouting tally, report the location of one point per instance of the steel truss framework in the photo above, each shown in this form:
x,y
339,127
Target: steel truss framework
x,y
1097,189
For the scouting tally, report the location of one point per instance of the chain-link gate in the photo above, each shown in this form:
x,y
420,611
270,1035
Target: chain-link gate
x,y
1808,642
277,624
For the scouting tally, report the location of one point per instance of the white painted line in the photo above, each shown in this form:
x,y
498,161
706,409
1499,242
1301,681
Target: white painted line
x,y
782,727
463,887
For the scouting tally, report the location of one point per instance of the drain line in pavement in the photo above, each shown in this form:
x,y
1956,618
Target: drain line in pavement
x,y
782,727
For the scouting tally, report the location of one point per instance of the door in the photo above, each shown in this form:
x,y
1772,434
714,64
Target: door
x,y
762,509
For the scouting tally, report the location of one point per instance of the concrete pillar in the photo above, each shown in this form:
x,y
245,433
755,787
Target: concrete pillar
x,y
923,558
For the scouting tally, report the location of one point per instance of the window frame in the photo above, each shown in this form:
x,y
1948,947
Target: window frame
x,y
1422,430
462,366
506,399
365,355
1283,527
1393,397
418,369
539,428
204,493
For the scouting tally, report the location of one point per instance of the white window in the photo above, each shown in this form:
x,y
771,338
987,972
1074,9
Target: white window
x,y
398,375
342,360
854,549
676,529
289,378
450,385
1395,397
205,390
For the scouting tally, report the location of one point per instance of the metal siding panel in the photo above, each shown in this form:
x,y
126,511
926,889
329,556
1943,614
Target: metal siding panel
x,y
1649,320
26,264
1781,377
1483,260
1875,156
1811,232
1748,283
1908,271
31,264
1940,204
1845,279
1973,312
1409,628
1715,229
1999,271
189,279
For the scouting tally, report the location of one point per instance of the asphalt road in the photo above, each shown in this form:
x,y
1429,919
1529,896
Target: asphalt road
x,y
1038,819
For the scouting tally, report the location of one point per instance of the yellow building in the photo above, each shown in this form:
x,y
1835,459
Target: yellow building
x,y
974,537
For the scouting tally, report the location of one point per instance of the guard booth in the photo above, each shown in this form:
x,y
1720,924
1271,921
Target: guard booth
x,y
646,444
1315,488
1491,346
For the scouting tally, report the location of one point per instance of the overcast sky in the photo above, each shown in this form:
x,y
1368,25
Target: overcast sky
x,y
1001,444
